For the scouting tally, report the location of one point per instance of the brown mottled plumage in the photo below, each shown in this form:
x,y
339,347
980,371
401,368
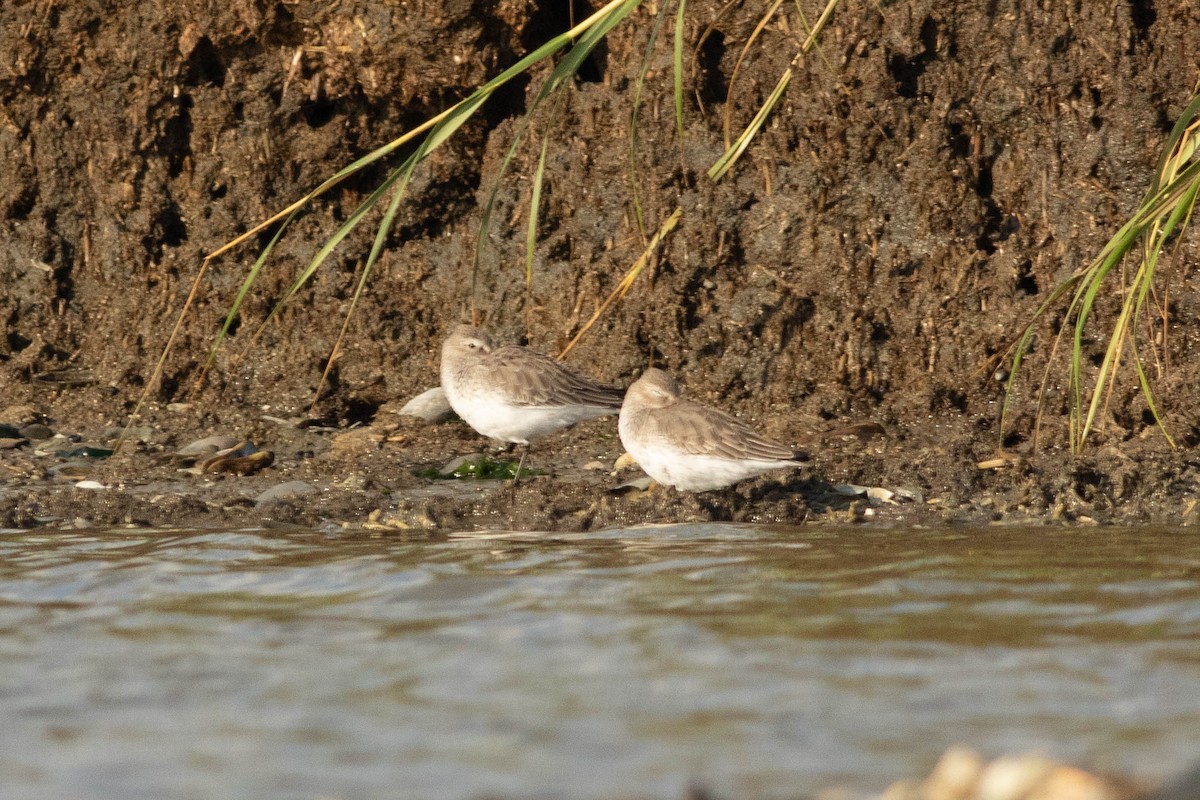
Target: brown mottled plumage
x,y
690,446
515,394
529,378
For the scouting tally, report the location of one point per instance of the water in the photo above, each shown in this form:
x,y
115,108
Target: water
x,y
762,662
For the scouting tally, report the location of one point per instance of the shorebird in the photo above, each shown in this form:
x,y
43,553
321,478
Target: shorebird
x,y
515,394
691,446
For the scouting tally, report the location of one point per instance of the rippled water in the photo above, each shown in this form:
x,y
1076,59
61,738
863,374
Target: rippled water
x,y
762,662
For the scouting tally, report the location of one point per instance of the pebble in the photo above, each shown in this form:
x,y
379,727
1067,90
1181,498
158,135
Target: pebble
x,y
65,378
222,454
878,495
962,774
354,482
203,448
244,459
955,775
623,461
19,415
454,464
1012,777
36,431
430,405
359,440
11,443
84,451
1069,783
136,433
641,484
71,470
90,485
283,491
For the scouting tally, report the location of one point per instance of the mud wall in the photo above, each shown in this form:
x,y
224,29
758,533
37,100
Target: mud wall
x,y
927,178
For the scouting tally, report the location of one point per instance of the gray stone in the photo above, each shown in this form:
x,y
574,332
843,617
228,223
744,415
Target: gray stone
x,y
283,491
37,432
431,406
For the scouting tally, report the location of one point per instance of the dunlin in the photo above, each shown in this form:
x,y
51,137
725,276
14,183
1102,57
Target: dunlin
x,y
515,394
690,446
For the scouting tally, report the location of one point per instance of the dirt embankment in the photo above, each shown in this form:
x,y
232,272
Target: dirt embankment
x,y
928,177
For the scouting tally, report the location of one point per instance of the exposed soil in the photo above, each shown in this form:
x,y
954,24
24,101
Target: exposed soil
x,y
925,182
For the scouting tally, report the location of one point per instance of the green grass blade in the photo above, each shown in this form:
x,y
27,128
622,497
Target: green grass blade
x,y
639,83
1022,343
332,242
613,13
730,157
1148,395
823,20
730,94
734,151
520,67
381,234
1169,154
1091,289
437,136
677,63
240,298
535,201
1107,365
459,111
1168,205
631,275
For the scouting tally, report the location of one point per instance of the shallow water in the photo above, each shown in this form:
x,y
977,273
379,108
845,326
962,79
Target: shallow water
x,y
761,662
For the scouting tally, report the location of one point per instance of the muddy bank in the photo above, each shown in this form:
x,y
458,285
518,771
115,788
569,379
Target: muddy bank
x,y
377,476
919,190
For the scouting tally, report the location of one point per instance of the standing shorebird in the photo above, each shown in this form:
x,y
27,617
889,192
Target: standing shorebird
x,y
515,394
690,446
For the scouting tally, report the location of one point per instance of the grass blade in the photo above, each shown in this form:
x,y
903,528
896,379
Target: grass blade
x,y
733,151
727,115
240,298
522,65
633,127
599,25
627,281
535,200
677,63
730,157
385,227
1166,208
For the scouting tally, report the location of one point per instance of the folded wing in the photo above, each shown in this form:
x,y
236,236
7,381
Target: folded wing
x,y
536,380
700,430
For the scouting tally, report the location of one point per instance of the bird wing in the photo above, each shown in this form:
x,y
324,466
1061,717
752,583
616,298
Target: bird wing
x,y
700,430
532,379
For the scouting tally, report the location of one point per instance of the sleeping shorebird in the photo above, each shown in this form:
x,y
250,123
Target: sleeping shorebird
x,y
515,394
690,446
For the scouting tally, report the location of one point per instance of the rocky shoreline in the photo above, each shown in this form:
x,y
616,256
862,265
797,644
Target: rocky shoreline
x,y
299,470
849,287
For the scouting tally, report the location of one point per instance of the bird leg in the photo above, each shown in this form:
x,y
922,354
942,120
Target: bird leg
x,y
520,466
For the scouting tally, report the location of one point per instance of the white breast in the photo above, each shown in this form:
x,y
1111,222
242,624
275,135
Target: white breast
x,y
690,472
490,413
